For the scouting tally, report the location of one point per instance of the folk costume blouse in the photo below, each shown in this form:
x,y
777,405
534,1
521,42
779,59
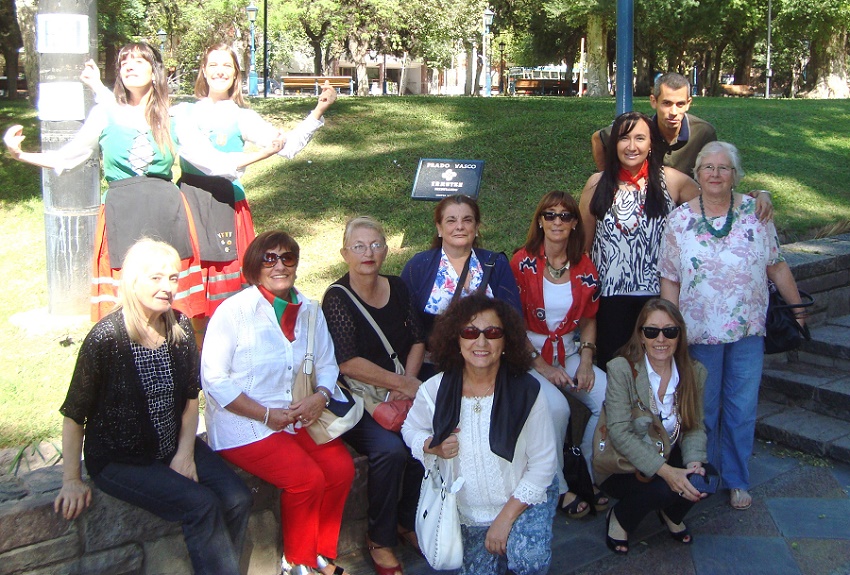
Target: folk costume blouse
x,y
245,351
108,395
723,281
584,282
627,243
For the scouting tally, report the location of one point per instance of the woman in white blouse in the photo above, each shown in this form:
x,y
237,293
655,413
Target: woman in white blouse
x,y
491,416
254,345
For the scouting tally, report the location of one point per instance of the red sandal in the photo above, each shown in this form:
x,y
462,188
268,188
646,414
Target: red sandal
x,y
380,569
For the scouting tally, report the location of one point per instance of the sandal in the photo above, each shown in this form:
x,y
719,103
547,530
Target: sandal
x,y
740,499
683,536
572,509
381,569
323,563
408,537
598,502
618,546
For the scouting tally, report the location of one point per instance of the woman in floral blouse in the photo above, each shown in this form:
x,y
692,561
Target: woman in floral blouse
x,y
716,258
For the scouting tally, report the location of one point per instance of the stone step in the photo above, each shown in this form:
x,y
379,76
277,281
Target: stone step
x,y
803,430
824,390
830,344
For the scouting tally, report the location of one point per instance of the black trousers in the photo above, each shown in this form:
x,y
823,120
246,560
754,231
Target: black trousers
x,y
637,499
615,323
395,478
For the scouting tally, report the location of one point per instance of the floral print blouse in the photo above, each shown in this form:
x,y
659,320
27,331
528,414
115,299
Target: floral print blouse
x,y
723,281
445,283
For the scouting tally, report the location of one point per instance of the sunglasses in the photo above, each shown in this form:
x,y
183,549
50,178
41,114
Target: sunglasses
x,y
566,217
288,258
671,332
472,332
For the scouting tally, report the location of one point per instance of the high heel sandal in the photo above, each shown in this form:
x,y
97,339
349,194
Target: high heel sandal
x,y
597,496
380,569
322,563
683,536
408,537
612,543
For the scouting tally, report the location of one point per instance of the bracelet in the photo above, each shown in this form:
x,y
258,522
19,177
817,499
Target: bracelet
x,y
587,345
266,417
325,394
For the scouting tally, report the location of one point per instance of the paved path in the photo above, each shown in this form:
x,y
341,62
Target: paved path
x,y
799,524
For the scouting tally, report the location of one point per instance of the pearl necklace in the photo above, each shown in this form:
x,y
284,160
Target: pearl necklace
x,y
730,218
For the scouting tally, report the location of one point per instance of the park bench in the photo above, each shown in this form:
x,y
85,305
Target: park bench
x,y
526,87
737,90
313,84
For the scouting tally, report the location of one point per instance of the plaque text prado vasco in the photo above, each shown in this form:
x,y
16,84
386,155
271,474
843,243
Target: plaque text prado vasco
x,y
437,178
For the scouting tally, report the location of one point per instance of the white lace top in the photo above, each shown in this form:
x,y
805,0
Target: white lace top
x,y
489,480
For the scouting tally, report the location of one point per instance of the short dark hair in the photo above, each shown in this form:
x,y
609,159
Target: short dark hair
x,y
672,80
534,238
457,199
445,344
253,259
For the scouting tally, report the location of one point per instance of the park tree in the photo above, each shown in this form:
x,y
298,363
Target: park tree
x,y
11,41
822,25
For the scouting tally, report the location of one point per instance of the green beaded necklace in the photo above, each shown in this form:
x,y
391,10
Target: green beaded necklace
x,y
730,217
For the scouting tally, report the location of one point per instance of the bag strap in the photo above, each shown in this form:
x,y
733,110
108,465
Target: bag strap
x,y
389,348
462,279
488,271
311,339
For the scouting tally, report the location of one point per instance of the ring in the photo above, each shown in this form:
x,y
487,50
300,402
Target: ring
x,y
681,493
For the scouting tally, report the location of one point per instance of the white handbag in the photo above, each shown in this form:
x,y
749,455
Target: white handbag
x,y
437,519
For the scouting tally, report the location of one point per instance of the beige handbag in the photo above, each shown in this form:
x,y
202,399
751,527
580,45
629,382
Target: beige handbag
x,y
339,416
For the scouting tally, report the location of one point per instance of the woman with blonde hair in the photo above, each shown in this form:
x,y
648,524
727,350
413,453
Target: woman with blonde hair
x,y
134,398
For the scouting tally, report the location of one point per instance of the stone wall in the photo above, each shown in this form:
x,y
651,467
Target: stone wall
x,y
113,537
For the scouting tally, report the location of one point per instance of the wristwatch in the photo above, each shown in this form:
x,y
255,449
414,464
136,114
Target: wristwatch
x,y
534,355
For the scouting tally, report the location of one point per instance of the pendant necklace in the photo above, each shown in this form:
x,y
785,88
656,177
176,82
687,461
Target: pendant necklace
x,y
557,272
477,407
730,217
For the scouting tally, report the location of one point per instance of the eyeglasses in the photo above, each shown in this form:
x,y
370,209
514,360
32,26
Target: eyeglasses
x,y
566,217
360,249
491,332
671,332
723,170
288,258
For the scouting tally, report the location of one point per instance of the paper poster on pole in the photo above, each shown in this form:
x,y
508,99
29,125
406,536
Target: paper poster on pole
x,y
62,34
61,101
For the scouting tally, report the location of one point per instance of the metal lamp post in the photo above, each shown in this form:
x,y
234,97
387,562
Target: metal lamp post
x,y
501,67
163,36
251,11
487,19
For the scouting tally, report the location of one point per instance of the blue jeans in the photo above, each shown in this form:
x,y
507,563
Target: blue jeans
x,y
214,511
731,399
529,543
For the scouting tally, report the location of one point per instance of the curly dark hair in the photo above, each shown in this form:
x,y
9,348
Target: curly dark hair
x,y
253,259
445,344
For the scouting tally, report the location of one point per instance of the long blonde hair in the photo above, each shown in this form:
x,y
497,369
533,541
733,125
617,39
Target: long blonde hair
x,y
144,256
202,87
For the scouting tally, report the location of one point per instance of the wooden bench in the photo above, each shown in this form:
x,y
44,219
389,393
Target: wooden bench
x,y
526,87
742,90
313,84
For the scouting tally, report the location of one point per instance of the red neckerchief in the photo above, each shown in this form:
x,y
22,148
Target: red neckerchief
x,y
285,312
626,176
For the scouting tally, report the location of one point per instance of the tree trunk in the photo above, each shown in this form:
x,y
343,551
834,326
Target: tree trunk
x,y
10,42
468,87
744,60
27,10
315,39
828,66
358,47
597,58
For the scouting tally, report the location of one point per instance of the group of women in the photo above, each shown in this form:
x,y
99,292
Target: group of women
x,y
486,348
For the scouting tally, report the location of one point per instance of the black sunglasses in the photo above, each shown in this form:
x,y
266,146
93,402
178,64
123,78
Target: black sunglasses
x,y
288,258
566,217
491,332
671,332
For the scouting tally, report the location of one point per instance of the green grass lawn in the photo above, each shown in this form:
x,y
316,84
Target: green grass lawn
x,y
364,162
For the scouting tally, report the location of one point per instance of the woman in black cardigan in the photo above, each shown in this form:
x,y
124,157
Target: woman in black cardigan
x,y
134,397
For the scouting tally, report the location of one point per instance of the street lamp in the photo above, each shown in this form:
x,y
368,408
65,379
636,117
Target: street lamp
x,y
487,19
501,66
163,36
251,11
